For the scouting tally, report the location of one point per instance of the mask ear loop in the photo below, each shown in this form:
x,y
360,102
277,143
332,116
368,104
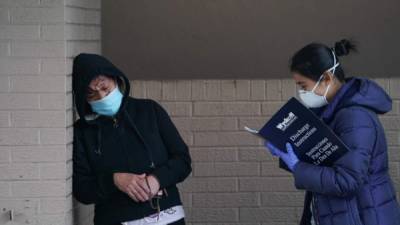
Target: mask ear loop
x,y
316,85
326,92
335,63
333,69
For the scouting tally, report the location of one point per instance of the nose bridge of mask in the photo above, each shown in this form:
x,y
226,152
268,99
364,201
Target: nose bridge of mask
x,y
109,104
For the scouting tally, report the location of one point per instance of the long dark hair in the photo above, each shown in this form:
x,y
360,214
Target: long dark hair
x,y
314,59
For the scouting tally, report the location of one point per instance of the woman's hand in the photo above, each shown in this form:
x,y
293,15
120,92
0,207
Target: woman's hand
x,y
134,185
290,158
154,185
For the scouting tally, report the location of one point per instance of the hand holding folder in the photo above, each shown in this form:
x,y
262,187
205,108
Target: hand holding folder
x,y
311,140
289,157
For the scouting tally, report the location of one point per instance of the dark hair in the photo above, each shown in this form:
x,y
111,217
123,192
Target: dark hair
x,y
314,59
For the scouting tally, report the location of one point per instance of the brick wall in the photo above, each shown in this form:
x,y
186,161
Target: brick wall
x,y
234,181
38,39
82,34
33,109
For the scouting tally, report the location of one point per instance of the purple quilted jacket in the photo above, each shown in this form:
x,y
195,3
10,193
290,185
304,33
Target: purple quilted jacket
x,y
357,190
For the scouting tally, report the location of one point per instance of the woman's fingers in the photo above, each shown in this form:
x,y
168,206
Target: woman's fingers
x,y
153,184
139,194
132,196
137,188
143,185
145,194
131,192
289,148
274,151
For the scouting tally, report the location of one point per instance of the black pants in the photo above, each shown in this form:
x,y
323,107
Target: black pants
x,y
179,222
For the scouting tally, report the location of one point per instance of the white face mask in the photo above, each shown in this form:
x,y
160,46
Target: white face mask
x,y
312,100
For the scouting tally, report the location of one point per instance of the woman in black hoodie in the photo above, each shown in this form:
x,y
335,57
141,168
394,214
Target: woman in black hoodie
x,y
127,154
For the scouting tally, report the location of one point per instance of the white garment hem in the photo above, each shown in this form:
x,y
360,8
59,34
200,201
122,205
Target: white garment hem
x,y
165,217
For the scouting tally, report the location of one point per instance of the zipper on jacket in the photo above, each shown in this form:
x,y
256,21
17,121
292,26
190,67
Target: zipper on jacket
x,y
316,217
150,154
351,212
115,122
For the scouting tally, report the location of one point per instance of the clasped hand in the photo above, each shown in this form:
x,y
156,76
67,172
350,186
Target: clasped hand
x,y
140,188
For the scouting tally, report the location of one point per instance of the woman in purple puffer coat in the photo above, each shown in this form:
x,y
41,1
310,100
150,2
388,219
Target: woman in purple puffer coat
x,y
357,189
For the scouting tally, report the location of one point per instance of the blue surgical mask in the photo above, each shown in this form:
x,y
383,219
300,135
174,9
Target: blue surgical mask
x,y
109,105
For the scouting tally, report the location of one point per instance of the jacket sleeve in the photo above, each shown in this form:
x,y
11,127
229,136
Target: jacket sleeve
x,y
88,187
356,128
178,166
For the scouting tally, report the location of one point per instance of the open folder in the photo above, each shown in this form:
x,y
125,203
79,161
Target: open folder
x,y
312,140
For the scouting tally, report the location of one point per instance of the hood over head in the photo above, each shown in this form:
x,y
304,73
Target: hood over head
x,y
85,68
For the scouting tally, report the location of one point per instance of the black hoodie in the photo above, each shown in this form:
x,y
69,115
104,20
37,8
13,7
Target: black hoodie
x,y
140,138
